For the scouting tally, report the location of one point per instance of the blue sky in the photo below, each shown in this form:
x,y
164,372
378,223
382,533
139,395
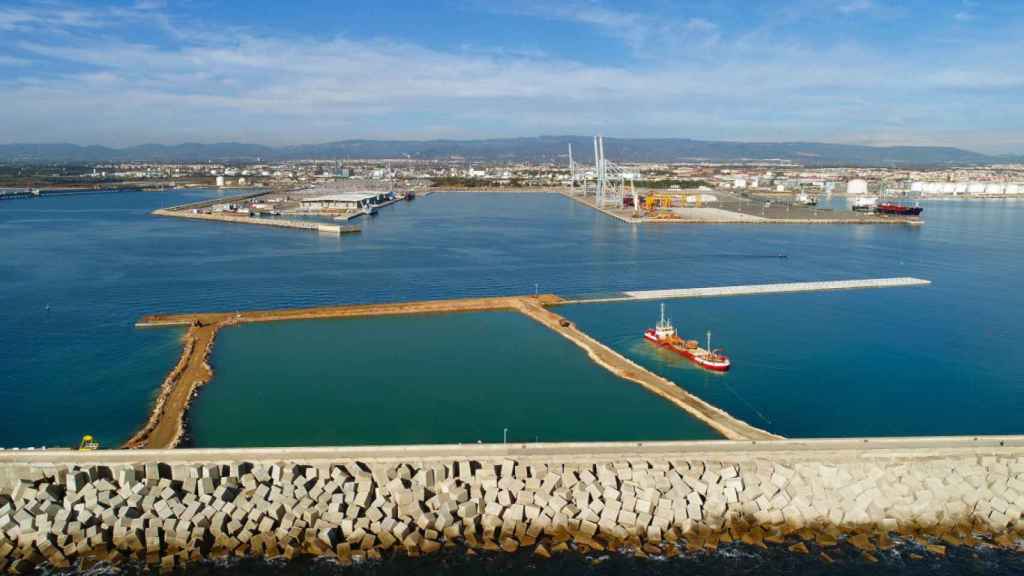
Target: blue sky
x,y
943,72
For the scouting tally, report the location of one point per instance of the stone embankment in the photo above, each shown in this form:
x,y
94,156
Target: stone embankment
x,y
165,427
170,508
717,419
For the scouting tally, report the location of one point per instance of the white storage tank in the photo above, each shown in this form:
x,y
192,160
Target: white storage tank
x,y
857,187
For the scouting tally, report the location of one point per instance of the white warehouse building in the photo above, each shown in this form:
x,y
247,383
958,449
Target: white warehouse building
x,y
344,201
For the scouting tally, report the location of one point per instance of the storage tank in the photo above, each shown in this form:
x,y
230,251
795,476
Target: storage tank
x,y
220,181
857,187
976,188
1013,189
994,189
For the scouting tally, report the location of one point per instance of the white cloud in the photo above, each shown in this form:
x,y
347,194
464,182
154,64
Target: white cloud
x,y
13,61
854,6
278,89
646,34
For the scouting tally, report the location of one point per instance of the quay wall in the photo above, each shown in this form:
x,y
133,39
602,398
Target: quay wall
x,y
277,223
712,215
170,508
215,200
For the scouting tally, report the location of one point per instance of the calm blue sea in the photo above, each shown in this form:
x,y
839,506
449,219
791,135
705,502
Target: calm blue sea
x,y
77,271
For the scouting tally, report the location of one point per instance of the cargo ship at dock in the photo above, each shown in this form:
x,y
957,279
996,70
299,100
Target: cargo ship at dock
x,y
664,335
895,209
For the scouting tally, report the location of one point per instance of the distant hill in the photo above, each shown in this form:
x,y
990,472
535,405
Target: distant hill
x,y
537,149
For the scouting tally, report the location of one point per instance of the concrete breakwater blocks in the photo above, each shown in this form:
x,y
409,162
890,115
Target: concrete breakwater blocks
x,y
171,508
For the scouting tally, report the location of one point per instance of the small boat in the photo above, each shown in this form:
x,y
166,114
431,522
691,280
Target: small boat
x,y
410,196
894,209
864,204
370,210
664,335
805,199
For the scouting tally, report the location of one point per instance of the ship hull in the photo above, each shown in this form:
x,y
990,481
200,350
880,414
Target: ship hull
x,y
897,210
713,366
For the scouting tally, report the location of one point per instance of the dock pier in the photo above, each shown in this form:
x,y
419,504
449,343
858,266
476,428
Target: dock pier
x,y
323,228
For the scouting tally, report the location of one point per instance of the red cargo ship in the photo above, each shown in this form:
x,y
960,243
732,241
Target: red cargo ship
x,y
893,209
664,335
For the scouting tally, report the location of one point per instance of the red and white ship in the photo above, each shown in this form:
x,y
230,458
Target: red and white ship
x,y
664,335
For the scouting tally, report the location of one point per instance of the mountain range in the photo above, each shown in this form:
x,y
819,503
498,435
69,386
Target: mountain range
x,y
533,149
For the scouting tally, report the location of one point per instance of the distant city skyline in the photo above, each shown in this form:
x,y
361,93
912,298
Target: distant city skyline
x,y
876,72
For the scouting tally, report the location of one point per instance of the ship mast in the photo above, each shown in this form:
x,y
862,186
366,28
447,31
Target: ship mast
x,y
709,340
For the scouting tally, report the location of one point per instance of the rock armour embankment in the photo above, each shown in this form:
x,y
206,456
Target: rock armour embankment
x,y
664,502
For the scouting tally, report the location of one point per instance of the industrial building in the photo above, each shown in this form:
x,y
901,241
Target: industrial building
x,y
967,188
857,187
344,201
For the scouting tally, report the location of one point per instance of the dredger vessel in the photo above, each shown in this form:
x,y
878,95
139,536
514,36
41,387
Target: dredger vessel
x,y
664,335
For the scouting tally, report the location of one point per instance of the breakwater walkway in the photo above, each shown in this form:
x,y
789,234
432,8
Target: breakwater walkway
x,y
166,424
168,509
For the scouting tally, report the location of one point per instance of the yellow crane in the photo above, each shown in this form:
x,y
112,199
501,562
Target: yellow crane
x,y
653,201
88,443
